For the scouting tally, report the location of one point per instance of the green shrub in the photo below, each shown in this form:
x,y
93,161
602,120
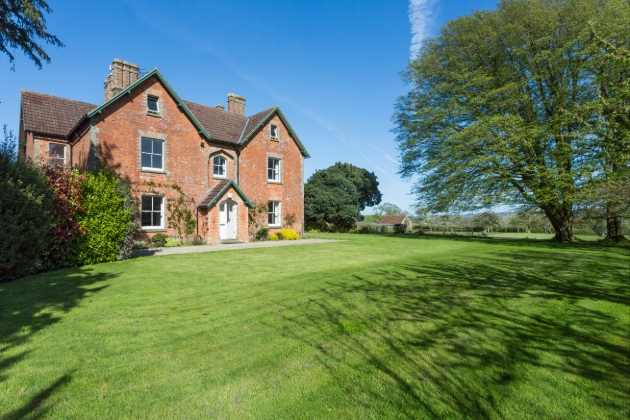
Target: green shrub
x,y
273,237
262,234
288,234
370,229
107,218
159,239
318,225
197,240
26,202
139,245
400,228
172,242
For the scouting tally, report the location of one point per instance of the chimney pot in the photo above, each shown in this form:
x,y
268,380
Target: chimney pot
x,y
219,106
236,104
122,74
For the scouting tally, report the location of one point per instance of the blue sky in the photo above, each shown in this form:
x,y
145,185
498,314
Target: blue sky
x,y
332,66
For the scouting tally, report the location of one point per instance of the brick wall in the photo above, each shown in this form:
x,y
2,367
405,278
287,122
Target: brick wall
x,y
253,171
114,137
118,140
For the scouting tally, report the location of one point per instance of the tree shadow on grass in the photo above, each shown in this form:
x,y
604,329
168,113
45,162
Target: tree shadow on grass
x,y
32,409
33,303
521,242
477,339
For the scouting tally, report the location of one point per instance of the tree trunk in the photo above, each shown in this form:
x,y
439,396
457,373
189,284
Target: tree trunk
x,y
614,229
562,221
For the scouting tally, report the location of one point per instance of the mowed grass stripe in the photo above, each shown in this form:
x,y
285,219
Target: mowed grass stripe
x,y
378,326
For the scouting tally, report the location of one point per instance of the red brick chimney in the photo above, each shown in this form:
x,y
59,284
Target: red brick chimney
x,y
123,74
236,104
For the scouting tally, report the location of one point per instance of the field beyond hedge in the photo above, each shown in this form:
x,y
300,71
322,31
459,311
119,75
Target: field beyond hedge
x,y
374,327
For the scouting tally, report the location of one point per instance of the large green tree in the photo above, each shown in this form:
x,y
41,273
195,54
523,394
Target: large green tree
x,y
609,189
23,27
490,117
337,195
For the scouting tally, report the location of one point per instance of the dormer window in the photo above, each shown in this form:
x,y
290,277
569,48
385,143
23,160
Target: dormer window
x,y
274,132
153,104
219,167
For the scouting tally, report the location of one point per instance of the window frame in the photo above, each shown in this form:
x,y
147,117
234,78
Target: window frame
x,y
277,212
279,170
277,136
162,215
225,167
54,161
163,155
157,104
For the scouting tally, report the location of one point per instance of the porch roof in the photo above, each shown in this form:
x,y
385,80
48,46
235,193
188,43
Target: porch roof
x,y
217,192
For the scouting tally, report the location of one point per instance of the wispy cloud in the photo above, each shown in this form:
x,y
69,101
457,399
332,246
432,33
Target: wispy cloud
x,y
388,157
420,16
388,175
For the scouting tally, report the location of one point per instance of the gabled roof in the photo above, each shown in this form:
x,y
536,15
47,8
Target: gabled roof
x,y
217,192
64,116
393,220
51,115
258,120
153,73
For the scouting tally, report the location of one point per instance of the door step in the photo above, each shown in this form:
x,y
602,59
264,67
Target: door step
x,y
230,241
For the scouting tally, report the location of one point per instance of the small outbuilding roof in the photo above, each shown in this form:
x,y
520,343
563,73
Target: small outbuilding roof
x,y
393,220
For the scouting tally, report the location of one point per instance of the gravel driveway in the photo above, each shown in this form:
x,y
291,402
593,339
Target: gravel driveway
x,y
224,247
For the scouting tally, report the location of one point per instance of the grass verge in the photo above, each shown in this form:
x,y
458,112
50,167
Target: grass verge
x,y
374,327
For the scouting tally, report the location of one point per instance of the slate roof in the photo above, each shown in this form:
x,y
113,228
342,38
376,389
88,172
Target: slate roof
x,y
393,220
51,115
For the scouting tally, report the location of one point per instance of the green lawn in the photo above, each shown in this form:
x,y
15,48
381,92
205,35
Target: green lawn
x,y
375,327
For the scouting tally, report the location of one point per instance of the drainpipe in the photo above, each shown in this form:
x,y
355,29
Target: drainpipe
x,y
238,167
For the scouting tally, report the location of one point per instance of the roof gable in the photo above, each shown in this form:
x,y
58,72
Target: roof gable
x,y
217,192
257,121
61,117
153,73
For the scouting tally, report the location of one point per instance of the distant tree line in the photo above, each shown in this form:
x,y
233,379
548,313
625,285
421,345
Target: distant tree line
x,y
524,221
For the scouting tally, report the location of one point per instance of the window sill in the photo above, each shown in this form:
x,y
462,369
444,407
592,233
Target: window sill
x,y
154,114
219,177
274,182
153,171
274,139
149,230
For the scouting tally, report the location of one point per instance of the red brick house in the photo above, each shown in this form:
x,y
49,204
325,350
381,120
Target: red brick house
x,y
224,161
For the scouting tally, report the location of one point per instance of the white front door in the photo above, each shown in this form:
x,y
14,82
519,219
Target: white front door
x,y
227,220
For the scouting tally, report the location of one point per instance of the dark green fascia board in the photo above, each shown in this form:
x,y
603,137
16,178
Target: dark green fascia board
x,y
238,190
155,72
286,122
